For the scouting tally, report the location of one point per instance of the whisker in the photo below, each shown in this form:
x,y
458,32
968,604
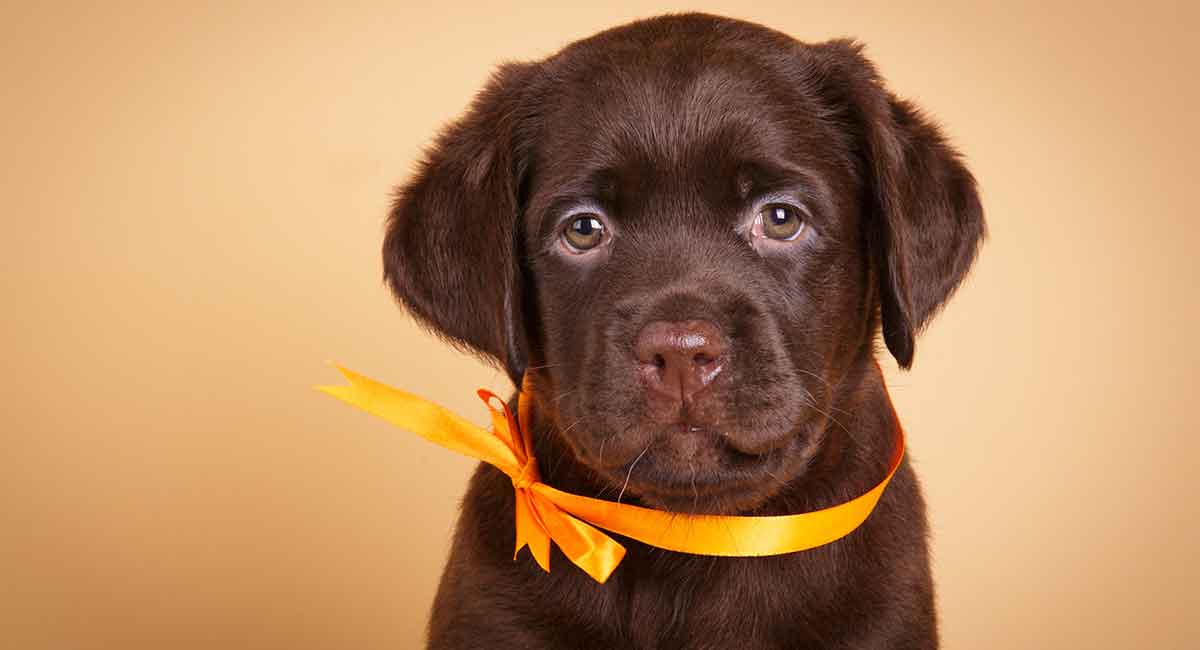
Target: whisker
x,y
815,375
630,472
572,425
563,455
832,407
812,404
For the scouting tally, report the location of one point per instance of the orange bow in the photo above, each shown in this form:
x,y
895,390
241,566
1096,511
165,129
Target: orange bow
x,y
510,449
544,513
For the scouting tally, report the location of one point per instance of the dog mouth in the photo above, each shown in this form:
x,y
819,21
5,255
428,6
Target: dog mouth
x,y
690,468
725,450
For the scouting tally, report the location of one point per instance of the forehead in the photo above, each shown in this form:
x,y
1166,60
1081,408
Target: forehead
x,y
653,115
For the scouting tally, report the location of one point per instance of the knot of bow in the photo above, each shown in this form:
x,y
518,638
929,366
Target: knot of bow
x,y
539,519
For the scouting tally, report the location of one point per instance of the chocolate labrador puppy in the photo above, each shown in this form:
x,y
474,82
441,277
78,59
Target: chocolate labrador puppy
x,y
689,231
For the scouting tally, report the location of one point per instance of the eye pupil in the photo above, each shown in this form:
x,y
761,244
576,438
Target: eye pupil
x,y
781,222
584,232
586,227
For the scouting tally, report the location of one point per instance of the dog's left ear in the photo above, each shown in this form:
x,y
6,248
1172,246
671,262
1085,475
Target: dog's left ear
x,y
923,216
451,254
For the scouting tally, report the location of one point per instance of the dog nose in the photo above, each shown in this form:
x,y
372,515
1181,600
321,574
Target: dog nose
x,y
679,358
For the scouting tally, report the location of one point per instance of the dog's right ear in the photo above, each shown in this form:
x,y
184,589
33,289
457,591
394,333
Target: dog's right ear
x,y
451,253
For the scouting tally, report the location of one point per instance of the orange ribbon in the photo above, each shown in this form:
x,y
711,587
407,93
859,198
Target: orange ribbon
x,y
544,513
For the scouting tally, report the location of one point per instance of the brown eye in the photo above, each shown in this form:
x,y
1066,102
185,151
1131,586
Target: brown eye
x,y
782,222
584,232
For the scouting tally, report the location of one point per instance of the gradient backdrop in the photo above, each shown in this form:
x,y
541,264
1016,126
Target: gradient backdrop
x,y
192,212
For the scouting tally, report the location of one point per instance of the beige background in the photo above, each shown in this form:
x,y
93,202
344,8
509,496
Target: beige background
x,y
192,211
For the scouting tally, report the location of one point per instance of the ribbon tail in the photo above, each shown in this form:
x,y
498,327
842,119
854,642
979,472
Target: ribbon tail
x,y
424,418
586,546
531,533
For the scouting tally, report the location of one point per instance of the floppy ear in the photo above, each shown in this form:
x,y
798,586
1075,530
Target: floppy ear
x,y
451,253
924,220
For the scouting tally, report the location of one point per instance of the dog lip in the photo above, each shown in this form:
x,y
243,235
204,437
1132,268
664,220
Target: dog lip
x,y
694,446
728,442
734,487
688,427
697,493
720,438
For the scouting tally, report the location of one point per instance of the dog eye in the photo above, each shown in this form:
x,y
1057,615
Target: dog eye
x,y
782,222
585,232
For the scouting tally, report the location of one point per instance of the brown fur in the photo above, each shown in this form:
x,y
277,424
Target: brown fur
x,y
670,128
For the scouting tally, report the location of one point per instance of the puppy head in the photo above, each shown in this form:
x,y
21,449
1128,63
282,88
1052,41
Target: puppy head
x,y
687,229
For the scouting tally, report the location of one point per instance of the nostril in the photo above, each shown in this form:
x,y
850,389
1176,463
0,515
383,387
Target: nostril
x,y
679,357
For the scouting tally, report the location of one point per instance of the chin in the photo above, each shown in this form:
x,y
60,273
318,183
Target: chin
x,y
695,470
